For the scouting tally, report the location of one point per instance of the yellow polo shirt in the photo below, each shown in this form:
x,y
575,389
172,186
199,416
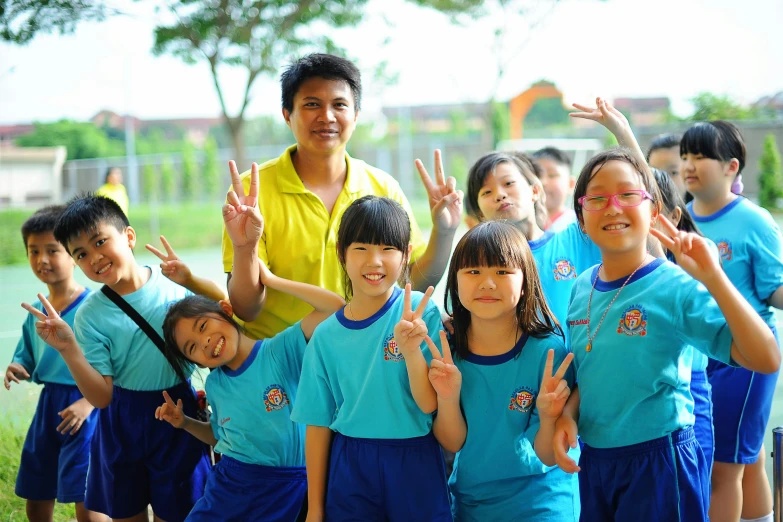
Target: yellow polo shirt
x,y
300,237
115,192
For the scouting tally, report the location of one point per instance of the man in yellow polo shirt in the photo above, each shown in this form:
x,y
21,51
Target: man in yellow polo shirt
x,y
303,194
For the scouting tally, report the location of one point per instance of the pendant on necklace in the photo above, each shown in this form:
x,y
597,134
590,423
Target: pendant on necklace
x,y
589,347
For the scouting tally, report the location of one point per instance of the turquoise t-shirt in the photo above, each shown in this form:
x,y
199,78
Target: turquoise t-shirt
x,y
354,379
251,406
42,362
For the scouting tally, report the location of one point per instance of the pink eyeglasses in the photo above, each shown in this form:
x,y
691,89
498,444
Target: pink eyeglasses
x,y
626,199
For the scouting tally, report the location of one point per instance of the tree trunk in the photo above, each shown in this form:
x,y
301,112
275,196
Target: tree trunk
x,y
236,128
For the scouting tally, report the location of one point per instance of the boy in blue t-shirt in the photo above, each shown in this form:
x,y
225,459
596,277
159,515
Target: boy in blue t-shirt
x,y
135,461
56,450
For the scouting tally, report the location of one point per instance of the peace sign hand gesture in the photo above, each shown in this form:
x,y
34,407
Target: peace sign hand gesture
x,y
605,114
170,412
445,377
411,331
172,266
50,328
445,200
243,220
554,389
691,251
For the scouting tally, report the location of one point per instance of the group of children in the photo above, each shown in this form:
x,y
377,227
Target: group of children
x,y
569,342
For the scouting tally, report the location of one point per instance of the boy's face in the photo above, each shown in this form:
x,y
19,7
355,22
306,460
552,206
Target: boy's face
x,y
48,258
324,116
558,184
106,255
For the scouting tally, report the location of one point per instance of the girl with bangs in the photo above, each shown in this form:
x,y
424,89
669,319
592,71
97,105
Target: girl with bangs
x,y
713,156
364,394
499,388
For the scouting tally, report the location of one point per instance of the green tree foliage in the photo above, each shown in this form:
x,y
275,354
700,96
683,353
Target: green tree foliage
x,y
83,140
546,112
20,20
150,183
500,123
708,106
610,140
190,172
210,170
771,174
168,181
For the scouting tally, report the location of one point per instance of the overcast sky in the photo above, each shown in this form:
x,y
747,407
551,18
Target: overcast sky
x,y
614,48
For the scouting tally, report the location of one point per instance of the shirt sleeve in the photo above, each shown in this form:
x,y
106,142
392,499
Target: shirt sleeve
x,y
588,253
766,260
24,348
698,321
288,349
315,402
94,344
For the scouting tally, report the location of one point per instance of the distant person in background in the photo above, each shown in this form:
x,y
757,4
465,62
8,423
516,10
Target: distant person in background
x,y
114,189
664,154
558,186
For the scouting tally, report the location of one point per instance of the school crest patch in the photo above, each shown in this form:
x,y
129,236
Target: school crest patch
x,y
521,400
564,269
391,352
724,248
275,398
633,321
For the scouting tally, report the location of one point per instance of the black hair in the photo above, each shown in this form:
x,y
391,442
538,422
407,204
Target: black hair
x,y
671,199
487,164
84,214
554,154
108,173
191,307
42,221
595,163
374,220
491,244
664,141
527,159
718,140
316,65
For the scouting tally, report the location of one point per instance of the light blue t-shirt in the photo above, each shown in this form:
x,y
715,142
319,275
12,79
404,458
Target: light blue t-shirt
x,y
560,257
251,406
42,362
354,378
497,475
634,384
749,243
115,346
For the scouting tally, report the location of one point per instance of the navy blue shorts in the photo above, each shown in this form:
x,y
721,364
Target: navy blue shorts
x,y
702,409
248,493
137,460
54,465
662,479
744,402
386,480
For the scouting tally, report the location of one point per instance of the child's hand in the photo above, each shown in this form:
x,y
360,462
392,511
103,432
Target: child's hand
x,y
691,251
448,322
606,115
444,198
15,373
170,412
74,416
244,224
411,331
51,329
172,266
554,389
565,438
444,376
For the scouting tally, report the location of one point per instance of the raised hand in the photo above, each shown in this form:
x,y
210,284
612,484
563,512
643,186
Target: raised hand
x,y
605,114
74,416
16,373
691,251
243,221
444,376
411,331
50,328
554,390
565,438
172,266
445,200
170,412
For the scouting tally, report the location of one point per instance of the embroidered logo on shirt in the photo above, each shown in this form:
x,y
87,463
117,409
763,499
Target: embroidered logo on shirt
x,y
633,321
724,248
564,269
521,400
275,398
391,352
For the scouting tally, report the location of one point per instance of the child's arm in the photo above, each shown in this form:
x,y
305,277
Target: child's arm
x,y
615,122
15,372
318,443
550,403
325,302
55,332
409,334
176,270
753,344
449,426
173,414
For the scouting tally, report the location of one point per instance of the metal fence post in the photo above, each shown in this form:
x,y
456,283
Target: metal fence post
x,y
777,472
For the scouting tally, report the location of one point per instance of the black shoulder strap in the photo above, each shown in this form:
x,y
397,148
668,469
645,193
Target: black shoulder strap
x,y
131,312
